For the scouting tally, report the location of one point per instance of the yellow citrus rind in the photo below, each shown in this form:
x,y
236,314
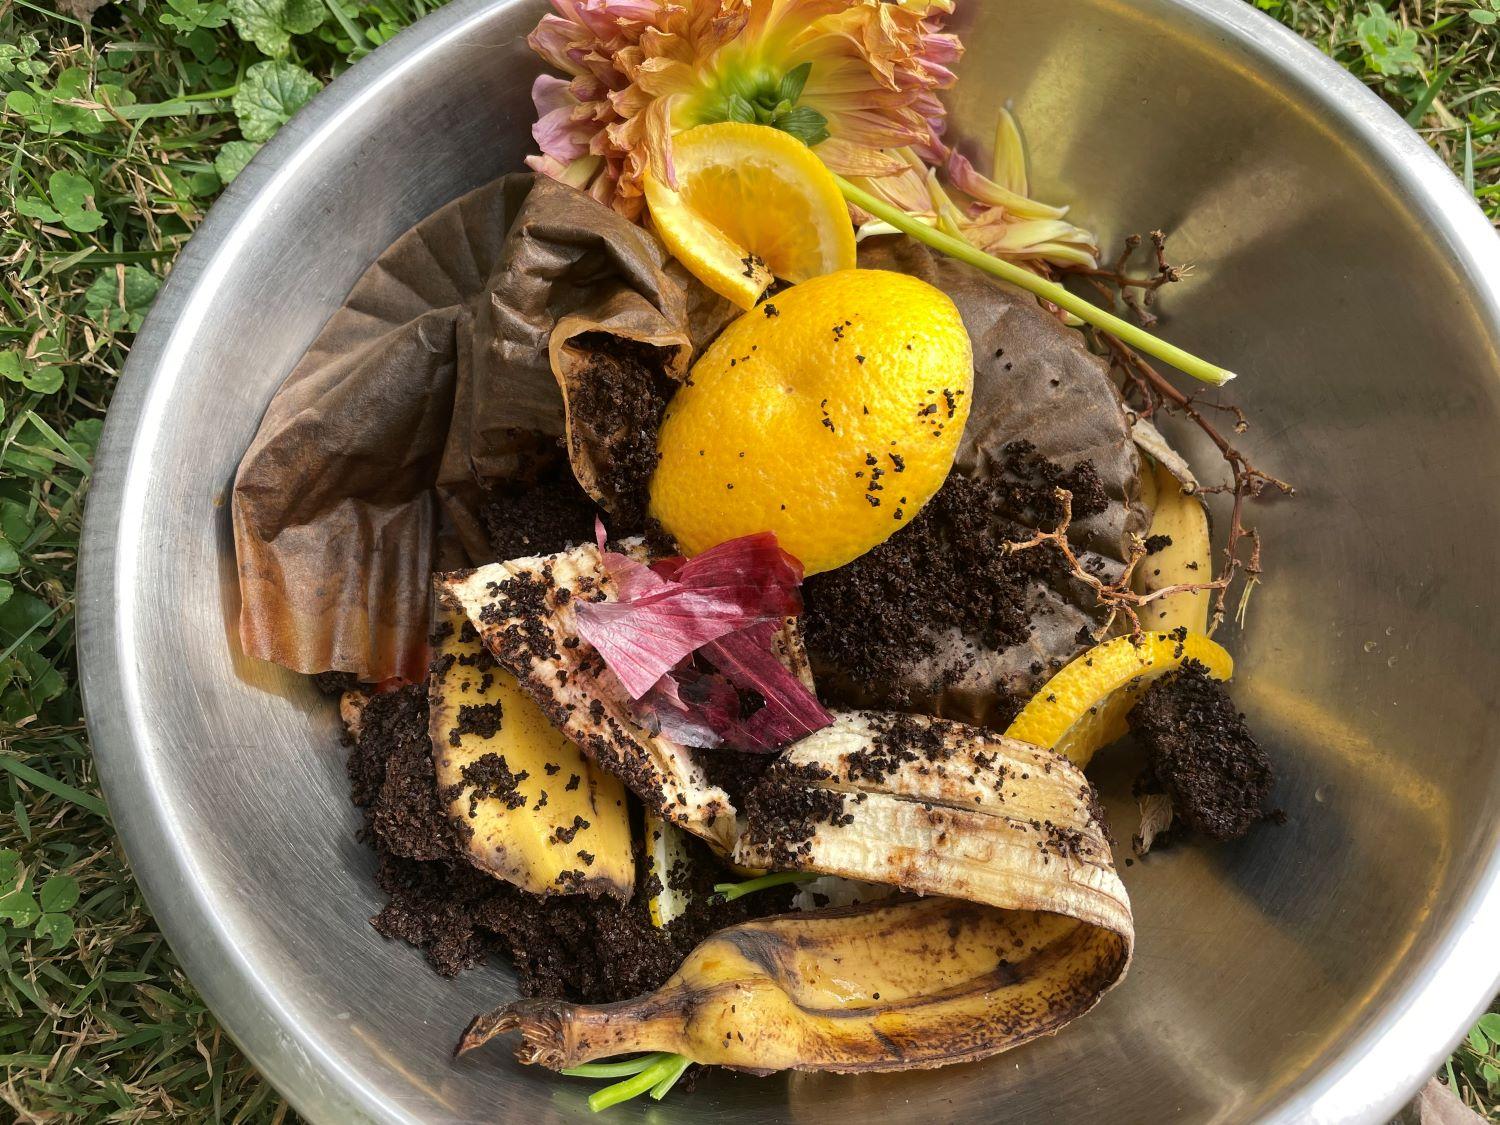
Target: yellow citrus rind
x,y
1083,707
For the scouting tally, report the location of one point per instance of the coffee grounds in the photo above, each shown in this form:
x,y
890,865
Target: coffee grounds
x,y
490,777
948,568
619,400
483,719
734,771
335,683
783,812
542,509
391,777
592,950
1201,754
898,739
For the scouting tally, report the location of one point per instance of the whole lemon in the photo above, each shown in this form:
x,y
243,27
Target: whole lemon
x,y
828,414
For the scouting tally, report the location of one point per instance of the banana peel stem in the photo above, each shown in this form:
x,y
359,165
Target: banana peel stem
x,y
1087,311
558,1034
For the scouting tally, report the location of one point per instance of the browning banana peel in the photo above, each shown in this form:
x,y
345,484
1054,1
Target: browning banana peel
x,y
984,818
1027,928
895,986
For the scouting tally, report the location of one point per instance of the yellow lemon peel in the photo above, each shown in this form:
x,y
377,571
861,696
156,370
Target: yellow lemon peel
x,y
830,415
751,204
1083,706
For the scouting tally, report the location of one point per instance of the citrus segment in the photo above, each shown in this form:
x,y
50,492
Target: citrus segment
x,y
830,416
752,204
1083,707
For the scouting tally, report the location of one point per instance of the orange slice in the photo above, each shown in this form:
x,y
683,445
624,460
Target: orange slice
x,y
752,204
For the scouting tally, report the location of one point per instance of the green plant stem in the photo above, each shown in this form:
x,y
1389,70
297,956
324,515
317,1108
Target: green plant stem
x,y
680,1063
1084,310
639,1084
732,891
620,1069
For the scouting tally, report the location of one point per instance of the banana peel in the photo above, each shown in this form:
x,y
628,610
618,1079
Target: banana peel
x,y
1180,516
905,985
940,808
524,612
665,849
562,827
1170,490
1026,928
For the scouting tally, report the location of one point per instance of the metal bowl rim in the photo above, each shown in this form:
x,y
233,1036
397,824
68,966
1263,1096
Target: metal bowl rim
x,y
1391,1056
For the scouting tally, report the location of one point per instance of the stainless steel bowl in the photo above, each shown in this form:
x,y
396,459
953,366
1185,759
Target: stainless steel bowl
x,y
1314,972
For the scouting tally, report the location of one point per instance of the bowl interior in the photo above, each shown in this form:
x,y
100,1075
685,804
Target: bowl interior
x,y
1351,287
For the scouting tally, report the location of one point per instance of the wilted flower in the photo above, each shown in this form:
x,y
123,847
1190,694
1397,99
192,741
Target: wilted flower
x,y
856,79
994,213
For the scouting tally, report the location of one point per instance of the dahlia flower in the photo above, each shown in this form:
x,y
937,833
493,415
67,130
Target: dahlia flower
x,y
856,79
995,214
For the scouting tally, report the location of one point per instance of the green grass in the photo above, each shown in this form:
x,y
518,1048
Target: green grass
x,y
117,132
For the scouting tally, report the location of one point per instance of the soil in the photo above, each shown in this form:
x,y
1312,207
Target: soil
x,y
618,401
1202,755
577,947
542,510
885,611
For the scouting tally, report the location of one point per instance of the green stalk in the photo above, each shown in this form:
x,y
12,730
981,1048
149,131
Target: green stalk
x,y
1087,311
731,891
633,1087
619,1069
680,1063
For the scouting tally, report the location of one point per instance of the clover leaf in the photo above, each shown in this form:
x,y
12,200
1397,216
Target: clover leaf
x,y
83,435
232,158
71,196
19,907
42,378
189,15
59,893
270,24
56,927
1390,49
117,306
268,96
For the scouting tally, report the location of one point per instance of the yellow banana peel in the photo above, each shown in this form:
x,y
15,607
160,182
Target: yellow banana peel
x,y
1027,928
894,986
1180,517
563,826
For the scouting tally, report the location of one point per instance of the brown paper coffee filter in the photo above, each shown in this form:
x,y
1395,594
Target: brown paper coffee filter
x,y
431,380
